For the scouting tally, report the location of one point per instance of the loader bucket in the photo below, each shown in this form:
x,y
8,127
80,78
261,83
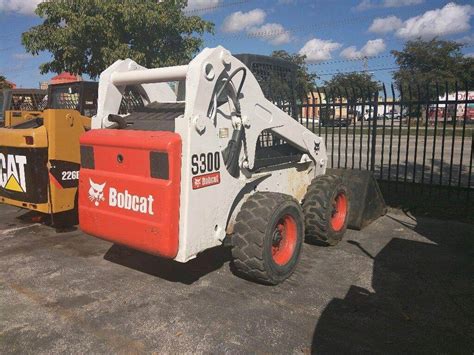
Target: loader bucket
x,y
367,203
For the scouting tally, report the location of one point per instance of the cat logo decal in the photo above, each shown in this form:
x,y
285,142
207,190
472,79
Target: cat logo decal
x,y
12,172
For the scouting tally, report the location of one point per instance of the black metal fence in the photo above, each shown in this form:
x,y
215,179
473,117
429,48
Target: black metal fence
x,y
419,137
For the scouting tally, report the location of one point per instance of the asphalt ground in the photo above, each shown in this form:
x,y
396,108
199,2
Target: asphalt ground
x,y
402,285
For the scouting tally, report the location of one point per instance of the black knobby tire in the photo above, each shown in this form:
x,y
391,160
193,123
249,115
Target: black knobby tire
x,y
320,210
267,239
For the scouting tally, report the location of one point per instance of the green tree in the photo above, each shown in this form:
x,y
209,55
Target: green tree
x,y
4,84
355,85
86,36
305,81
424,62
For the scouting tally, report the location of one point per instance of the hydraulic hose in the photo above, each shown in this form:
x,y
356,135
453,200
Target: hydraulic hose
x,y
232,152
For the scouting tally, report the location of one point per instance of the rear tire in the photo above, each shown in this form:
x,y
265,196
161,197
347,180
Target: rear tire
x,y
326,209
267,239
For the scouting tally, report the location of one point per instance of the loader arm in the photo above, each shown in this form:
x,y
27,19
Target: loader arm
x,y
203,77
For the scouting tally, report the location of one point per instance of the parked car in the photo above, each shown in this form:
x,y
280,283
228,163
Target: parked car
x,y
335,122
390,115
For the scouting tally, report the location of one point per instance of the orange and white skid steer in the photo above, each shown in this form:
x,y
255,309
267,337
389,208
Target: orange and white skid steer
x,y
217,162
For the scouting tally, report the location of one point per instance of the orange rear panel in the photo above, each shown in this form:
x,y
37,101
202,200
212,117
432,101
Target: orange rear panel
x,y
129,188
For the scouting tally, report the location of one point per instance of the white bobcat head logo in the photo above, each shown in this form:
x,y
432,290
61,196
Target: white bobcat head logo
x,y
96,192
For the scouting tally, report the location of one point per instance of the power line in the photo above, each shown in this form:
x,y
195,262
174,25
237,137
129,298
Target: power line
x,y
215,7
7,48
191,11
274,33
356,59
360,71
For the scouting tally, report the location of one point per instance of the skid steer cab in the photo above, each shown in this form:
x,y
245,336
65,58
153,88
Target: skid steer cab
x,y
219,161
40,157
20,105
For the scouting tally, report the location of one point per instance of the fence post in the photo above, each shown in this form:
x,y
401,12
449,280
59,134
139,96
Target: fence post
x,y
374,132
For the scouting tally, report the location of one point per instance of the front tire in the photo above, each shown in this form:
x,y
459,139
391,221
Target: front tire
x,y
267,239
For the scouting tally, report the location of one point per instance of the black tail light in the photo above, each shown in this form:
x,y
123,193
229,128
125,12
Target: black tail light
x,y
87,157
159,165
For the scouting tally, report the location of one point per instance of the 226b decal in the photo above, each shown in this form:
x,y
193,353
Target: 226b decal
x,y
205,162
65,173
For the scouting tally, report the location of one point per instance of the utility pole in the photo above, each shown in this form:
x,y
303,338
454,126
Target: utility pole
x,y
366,64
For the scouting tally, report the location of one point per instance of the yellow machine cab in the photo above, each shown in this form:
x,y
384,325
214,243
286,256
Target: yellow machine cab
x,y
20,105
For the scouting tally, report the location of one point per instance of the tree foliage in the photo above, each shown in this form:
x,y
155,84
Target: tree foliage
x,y
4,84
86,36
423,62
354,85
305,81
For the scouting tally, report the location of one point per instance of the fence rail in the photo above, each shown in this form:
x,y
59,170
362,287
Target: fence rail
x,y
422,136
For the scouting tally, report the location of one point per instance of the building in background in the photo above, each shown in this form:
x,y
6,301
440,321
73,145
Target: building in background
x,y
457,106
65,77
12,84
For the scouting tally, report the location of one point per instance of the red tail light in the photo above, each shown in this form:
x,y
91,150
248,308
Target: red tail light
x,y
29,140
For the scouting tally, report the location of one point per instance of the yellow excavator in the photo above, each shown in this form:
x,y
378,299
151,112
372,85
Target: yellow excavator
x,y
20,105
40,154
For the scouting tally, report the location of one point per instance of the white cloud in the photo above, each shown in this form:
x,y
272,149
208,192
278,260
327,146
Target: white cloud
x,y
317,50
274,33
469,55
370,4
400,3
385,24
22,56
252,23
371,48
201,6
365,5
450,19
24,7
241,21
466,40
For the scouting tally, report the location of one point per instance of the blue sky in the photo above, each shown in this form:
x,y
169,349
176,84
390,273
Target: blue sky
x,y
333,34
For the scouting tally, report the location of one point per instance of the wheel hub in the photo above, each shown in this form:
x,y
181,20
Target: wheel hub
x,y
284,240
339,211
277,237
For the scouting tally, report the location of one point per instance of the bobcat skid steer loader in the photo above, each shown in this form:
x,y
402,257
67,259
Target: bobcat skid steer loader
x,y
219,162
39,157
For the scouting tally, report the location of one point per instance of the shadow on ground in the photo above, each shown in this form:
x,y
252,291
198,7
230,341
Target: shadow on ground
x,y
187,273
422,298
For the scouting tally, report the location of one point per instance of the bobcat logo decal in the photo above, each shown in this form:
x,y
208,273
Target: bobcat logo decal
x,y
96,192
317,146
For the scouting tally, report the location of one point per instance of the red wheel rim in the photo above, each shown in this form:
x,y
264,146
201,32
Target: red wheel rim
x,y
284,240
339,212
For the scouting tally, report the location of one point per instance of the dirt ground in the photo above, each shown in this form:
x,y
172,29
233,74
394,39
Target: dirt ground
x,y
402,285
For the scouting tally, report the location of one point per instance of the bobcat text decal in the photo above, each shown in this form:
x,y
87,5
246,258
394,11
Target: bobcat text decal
x,y
124,200
12,172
